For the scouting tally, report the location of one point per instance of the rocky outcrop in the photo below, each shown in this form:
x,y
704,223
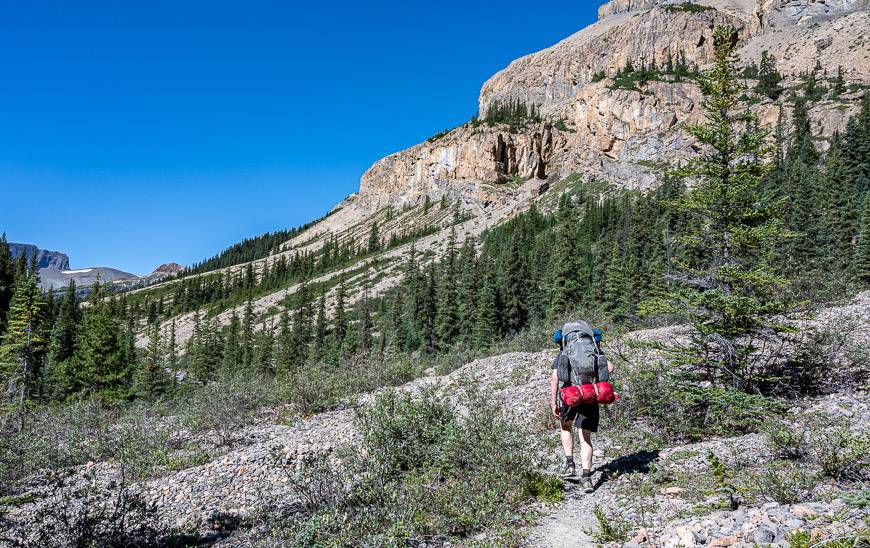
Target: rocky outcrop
x,y
555,75
785,13
469,163
54,260
166,269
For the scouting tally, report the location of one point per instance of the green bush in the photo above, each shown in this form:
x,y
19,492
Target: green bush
x,y
688,7
681,410
787,441
842,454
609,529
422,470
785,484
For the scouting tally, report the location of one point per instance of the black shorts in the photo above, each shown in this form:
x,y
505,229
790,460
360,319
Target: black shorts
x,y
585,415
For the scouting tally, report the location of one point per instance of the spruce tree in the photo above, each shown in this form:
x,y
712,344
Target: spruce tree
x,y
569,274
467,292
616,297
247,337
103,366
365,320
172,358
152,380
769,78
517,286
728,297
22,349
861,262
447,315
320,327
487,322
7,281
339,321
374,238
232,354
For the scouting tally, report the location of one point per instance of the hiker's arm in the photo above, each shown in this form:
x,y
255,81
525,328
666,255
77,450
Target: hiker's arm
x,y
609,366
554,386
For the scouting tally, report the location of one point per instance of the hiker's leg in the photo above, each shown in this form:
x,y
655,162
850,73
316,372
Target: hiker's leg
x,y
567,438
586,449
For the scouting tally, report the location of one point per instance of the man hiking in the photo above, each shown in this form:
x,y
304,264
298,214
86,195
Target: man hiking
x,y
573,339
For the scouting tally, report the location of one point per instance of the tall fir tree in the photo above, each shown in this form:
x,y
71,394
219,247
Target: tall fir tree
x,y
7,281
103,365
152,380
22,350
861,261
730,299
569,270
447,315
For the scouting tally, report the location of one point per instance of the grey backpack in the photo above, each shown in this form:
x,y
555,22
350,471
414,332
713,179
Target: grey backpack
x,y
585,363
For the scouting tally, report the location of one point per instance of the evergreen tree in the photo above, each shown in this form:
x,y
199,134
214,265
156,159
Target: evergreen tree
x,y
769,78
429,308
7,281
320,327
616,285
374,239
232,354
861,262
247,337
467,292
102,364
446,321
487,322
340,321
22,349
728,296
63,335
517,286
265,350
152,380
172,358
839,84
365,320
569,271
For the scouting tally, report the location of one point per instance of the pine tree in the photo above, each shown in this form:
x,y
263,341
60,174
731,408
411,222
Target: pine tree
x,y
769,78
320,327
570,272
856,148
7,281
232,354
103,366
152,380
861,262
616,285
22,349
265,350
429,308
517,286
729,298
839,84
487,322
374,239
446,321
247,337
63,336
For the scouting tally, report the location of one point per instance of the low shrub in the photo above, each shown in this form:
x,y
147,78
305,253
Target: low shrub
x,y
787,441
682,410
841,453
785,483
423,470
609,529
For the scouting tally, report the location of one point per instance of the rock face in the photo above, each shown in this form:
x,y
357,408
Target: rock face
x,y
166,269
784,13
54,260
613,134
550,77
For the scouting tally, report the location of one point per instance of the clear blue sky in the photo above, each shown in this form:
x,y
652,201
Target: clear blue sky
x,y
136,133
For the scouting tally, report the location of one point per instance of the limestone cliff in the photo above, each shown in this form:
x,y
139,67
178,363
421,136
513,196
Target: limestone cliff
x,y
618,134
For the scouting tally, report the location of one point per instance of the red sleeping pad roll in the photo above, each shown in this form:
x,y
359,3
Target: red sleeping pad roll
x,y
601,392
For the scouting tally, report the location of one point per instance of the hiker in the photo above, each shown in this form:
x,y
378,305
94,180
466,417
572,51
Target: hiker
x,y
573,339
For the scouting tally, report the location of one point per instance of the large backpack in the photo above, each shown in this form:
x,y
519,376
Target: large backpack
x,y
585,363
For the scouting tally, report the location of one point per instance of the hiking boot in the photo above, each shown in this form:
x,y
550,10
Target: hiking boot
x,y
569,471
586,483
